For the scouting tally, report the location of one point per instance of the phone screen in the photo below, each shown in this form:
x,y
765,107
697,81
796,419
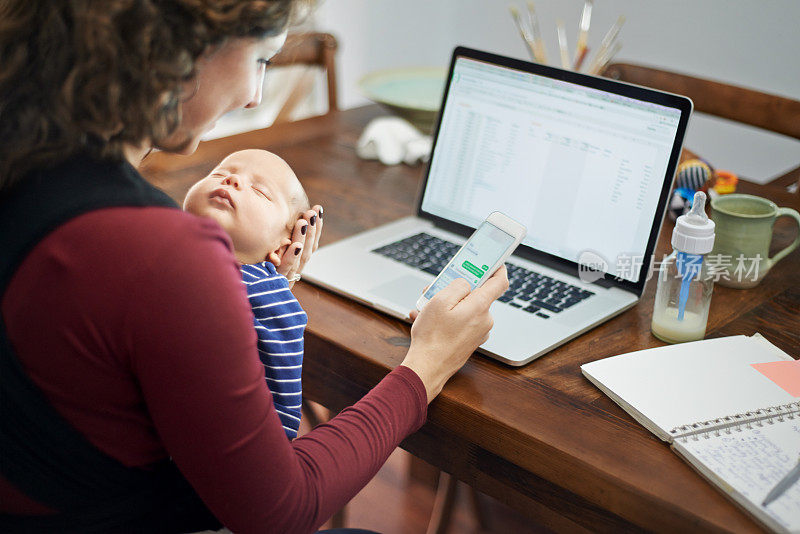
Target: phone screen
x,y
473,261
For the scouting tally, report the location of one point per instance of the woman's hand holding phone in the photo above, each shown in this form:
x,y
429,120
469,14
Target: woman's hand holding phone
x,y
449,329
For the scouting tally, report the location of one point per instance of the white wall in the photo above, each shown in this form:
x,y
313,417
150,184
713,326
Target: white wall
x,y
752,43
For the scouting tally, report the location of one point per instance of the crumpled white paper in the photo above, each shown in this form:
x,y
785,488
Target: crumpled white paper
x,y
393,140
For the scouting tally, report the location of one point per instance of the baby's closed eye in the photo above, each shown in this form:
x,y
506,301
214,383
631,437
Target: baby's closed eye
x,y
261,193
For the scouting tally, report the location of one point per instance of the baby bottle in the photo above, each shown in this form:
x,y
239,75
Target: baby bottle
x,y
684,286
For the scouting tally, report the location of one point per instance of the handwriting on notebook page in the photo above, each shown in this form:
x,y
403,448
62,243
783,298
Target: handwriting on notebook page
x,y
750,460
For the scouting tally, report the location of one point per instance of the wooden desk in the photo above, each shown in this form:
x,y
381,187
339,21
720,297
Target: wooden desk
x,y
540,438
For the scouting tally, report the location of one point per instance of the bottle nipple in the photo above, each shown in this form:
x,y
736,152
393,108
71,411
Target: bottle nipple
x,y
694,232
697,215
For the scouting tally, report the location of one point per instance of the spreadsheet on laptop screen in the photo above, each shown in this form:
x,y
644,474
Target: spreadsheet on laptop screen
x,y
581,168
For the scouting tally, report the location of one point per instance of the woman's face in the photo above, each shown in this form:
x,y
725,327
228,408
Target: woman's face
x,y
228,77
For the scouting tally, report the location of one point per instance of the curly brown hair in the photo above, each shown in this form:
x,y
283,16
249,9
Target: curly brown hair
x,y
95,75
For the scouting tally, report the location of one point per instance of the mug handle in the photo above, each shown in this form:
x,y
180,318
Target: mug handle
x,y
786,212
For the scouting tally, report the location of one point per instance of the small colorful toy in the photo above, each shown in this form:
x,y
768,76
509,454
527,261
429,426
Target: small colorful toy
x,y
725,182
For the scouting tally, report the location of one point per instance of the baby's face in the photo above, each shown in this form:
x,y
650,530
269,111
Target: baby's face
x,y
254,196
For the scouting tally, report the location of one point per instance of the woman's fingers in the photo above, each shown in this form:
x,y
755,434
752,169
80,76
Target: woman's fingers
x,y
290,261
318,232
452,294
296,251
312,219
496,285
300,231
304,241
459,289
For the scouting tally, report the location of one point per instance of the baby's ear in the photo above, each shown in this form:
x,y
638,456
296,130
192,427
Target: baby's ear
x,y
275,256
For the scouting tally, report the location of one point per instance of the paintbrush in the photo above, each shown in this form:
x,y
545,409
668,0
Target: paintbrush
x,y
583,35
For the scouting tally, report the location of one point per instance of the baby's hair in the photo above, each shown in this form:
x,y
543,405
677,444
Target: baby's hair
x,y
298,201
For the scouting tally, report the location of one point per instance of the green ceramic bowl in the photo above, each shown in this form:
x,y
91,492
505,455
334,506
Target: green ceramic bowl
x,y
413,93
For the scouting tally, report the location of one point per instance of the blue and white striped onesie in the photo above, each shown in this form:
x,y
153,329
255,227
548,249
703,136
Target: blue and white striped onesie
x,y
279,321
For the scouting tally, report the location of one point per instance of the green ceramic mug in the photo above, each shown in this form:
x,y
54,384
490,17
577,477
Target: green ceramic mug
x,y
740,257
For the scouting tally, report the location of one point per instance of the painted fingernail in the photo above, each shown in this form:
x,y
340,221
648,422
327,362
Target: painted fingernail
x,y
312,220
320,212
296,251
303,229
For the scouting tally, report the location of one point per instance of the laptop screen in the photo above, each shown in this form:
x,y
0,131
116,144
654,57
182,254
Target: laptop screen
x,y
582,168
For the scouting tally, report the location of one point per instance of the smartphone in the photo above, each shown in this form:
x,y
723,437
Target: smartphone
x,y
483,253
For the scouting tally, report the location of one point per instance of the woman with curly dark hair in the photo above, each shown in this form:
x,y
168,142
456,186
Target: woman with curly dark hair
x,y
133,398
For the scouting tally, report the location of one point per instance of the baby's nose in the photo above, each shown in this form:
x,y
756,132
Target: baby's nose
x,y
232,181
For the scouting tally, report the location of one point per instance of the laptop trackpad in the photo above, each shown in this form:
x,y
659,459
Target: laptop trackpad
x,y
403,291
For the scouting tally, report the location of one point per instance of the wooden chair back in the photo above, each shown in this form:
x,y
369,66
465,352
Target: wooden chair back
x,y
313,49
762,110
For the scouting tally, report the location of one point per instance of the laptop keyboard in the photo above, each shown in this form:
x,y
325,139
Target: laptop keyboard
x,y
528,290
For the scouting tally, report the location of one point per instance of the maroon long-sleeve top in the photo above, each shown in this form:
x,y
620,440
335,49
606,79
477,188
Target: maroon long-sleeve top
x,y
135,324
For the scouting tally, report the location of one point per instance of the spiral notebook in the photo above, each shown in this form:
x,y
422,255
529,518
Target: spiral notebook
x,y
735,425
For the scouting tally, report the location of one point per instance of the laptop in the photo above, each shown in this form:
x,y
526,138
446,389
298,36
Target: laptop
x,y
585,163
